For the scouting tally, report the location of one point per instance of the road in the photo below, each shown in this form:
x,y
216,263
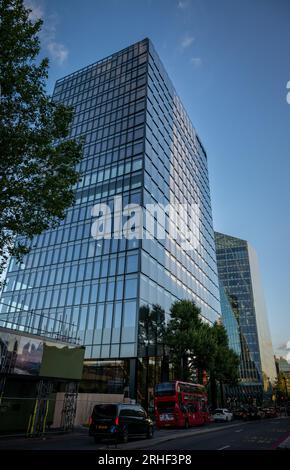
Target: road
x,y
258,435
255,435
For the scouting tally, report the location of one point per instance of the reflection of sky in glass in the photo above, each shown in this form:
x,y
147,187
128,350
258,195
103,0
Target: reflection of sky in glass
x,y
217,54
239,273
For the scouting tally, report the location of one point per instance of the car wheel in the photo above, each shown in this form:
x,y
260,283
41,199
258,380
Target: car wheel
x,y
150,432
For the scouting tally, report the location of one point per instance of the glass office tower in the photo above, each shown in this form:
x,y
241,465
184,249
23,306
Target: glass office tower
x,y
140,145
239,274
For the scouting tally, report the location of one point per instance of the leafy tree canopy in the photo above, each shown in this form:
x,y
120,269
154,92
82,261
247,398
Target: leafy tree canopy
x,y
38,160
195,345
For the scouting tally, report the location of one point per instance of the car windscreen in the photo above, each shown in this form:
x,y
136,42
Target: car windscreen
x,y
218,411
104,411
164,389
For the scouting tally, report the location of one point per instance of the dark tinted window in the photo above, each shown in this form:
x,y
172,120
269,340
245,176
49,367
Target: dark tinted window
x,y
203,407
218,410
104,411
141,413
128,412
165,388
166,406
190,388
192,408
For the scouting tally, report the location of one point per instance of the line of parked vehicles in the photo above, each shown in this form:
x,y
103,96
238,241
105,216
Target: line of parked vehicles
x,y
253,412
176,405
245,413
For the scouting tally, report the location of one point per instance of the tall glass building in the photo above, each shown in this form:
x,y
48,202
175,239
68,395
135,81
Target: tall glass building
x,y
140,145
239,275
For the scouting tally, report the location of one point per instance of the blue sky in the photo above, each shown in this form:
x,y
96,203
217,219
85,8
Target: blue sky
x,y
230,62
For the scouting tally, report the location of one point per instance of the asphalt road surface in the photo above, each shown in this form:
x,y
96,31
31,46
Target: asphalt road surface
x,y
256,435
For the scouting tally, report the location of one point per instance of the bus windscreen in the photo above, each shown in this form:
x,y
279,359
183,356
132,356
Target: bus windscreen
x,y
165,389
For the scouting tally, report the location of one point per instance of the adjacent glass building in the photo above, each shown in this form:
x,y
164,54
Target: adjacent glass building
x,y
240,281
141,145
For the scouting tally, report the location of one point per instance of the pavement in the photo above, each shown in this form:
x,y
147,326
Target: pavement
x,y
236,435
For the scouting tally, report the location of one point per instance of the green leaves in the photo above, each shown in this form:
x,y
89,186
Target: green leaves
x,y
37,166
196,345
226,363
185,338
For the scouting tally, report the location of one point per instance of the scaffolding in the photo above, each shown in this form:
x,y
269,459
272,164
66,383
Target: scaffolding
x,y
42,401
69,406
29,321
38,417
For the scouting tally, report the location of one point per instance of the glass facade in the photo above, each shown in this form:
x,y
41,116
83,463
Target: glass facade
x,y
238,274
175,172
139,144
230,322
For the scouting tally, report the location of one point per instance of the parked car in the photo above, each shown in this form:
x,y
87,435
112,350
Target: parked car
x,y
252,413
239,413
270,413
222,414
120,421
261,413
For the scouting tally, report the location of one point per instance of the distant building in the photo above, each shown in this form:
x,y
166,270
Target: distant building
x,y
239,277
283,368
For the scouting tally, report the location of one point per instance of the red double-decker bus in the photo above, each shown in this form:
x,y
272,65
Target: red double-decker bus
x,y
180,404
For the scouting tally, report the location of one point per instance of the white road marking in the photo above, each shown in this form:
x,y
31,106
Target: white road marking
x,y
224,447
239,430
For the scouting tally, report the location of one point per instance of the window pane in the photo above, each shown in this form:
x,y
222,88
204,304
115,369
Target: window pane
x,y
132,263
131,288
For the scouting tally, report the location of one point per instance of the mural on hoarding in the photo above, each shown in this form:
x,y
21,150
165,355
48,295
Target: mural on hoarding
x,y
29,356
20,354
24,355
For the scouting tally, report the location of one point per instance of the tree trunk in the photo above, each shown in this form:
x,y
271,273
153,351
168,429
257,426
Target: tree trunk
x,y
213,391
222,394
165,369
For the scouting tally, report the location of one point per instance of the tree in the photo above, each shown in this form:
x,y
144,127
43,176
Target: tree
x,y
205,348
182,338
282,387
37,166
195,346
150,344
225,365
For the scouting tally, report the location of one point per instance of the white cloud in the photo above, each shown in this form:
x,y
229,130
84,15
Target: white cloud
x,y
283,346
182,4
57,51
284,350
37,10
196,61
187,41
